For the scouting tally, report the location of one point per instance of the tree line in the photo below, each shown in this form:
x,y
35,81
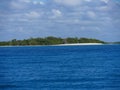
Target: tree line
x,y
49,41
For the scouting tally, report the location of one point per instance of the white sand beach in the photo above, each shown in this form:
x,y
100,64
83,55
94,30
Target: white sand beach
x,y
78,44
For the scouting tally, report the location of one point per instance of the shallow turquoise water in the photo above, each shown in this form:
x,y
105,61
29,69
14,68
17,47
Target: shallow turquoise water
x,y
60,68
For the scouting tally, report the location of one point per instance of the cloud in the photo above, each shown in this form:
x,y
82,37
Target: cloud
x,y
21,4
38,2
25,1
72,2
105,1
69,2
88,0
103,8
35,2
33,14
17,5
56,13
91,14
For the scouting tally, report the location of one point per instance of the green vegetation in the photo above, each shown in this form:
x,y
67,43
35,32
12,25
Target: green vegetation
x,y
48,41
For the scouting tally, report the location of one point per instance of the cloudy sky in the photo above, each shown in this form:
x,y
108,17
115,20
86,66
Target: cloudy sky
x,y
23,19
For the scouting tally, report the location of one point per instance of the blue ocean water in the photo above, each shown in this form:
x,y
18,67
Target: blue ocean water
x,y
60,68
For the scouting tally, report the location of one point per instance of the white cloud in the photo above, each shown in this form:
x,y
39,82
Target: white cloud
x,y
88,0
105,1
33,14
103,8
38,2
91,14
57,13
69,2
41,3
26,1
21,4
17,5
72,2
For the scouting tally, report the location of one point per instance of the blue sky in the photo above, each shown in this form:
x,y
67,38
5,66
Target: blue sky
x,y
23,19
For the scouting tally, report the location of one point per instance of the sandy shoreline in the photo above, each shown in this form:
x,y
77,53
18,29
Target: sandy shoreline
x,y
78,44
72,44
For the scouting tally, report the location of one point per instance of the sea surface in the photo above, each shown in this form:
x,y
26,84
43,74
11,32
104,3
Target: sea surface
x,y
95,67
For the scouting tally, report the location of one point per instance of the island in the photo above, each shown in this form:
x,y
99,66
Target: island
x,y
52,41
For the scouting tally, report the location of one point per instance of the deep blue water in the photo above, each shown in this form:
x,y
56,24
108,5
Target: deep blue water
x,y
60,68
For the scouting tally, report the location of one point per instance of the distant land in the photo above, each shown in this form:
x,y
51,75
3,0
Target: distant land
x,y
54,41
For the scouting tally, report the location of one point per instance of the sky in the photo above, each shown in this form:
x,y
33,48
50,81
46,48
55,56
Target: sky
x,y
22,19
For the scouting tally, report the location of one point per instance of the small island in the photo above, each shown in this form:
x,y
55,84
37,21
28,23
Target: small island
x,y
52,41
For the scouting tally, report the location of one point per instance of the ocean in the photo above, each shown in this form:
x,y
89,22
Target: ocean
x,y
89,67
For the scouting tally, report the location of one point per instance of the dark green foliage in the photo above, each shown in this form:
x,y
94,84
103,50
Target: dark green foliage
x,y
54,40
72,40
89,40
49,41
